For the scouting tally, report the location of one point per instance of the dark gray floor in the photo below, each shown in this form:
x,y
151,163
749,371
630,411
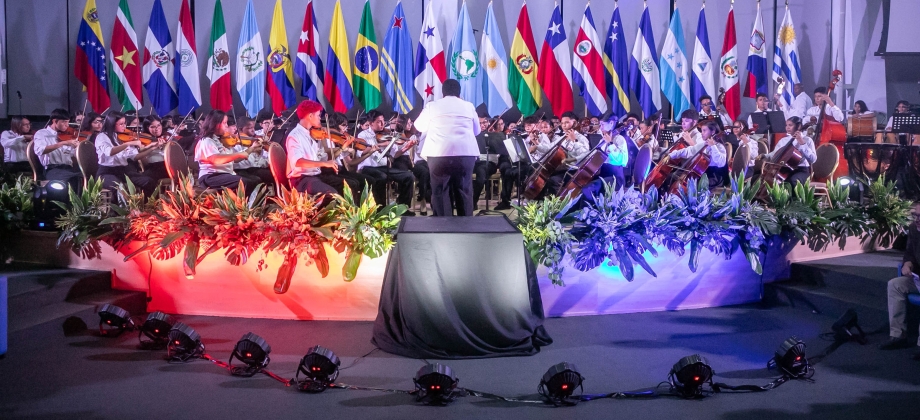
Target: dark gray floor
x,y
47,375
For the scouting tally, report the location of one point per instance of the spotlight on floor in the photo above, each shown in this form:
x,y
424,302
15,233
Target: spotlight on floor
x,y
114,320
790,358
689,374
320,367
435,384
844,326
560,382
156,328
253,351
184,343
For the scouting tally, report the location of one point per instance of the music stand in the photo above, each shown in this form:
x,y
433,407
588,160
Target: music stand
x,y
665,137
715,118
519,154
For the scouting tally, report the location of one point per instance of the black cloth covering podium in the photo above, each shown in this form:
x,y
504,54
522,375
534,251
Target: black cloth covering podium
x,y
460,287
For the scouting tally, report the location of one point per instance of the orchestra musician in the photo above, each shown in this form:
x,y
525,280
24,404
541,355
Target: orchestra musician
x,y
91,123
860,108
266,125
256,165
821,97
708,110
114,155
305,162
215,161
576,148
155,164
800,104
903,107
518,172
647,136
614,144
710,136
57,157
375,165
739,132
345,157
805,145
14,143
762,107
489,143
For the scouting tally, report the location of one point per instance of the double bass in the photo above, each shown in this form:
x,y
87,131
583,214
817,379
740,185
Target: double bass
x,y
829,130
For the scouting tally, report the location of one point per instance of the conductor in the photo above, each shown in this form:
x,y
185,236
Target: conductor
x,y
450,126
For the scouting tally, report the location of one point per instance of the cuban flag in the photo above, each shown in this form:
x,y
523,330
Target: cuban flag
x,y
643,68
555,74
308,66
158,63
703,79
187,80
250,64
588,66
786,60
492,56
430,69
757,59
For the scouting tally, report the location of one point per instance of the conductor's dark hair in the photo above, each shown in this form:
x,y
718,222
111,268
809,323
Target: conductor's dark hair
x,y
451,87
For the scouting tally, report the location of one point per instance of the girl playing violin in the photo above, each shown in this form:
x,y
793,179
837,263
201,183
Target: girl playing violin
x,y
256,165
345,155
90,126
216,161
114,155
155,164
14,143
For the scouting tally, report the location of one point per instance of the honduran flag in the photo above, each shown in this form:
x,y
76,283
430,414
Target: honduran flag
x,y
643,68
337,80
308,66
430,68
188,82
757,59
675,76
158,63
588,66
280,81
556,66
90,66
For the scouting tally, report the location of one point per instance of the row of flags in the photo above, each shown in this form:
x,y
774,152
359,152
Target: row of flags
x,y
605,75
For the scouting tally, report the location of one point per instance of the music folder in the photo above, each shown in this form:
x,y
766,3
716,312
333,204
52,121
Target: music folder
x,y
517,150
770,121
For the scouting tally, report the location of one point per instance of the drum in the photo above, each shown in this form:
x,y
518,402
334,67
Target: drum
x,y
871,160
861,126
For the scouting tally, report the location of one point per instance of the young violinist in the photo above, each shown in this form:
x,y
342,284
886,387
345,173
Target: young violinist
x,y
155,163
91,125
344,155
710,142
215,160
256,165
305,163
611,172
402,158
802,142
114,155
375,165
14,143
576,147
647,136
489,143
55,155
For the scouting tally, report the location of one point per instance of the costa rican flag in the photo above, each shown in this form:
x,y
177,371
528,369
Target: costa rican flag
x,y
588,66
188,79
158,63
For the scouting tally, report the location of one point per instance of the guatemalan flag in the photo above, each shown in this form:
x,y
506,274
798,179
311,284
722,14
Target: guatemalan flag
x,y
588,66
643,68
397,63
675,75
555,74
703,79
786,60
250,64
89,65
158,63
757,59
430,69
188,82
308,65
492,57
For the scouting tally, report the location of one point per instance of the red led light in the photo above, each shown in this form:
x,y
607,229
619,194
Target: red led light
x,y
108,322
177,342
248,354
696,378
797,358
156,331
565,386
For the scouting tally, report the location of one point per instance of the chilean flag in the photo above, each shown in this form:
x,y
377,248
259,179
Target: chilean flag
x,y
555,75
308,66
588,66
430,69
188,81
729,69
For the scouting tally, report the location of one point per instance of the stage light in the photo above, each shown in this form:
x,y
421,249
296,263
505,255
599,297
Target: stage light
x,y
842,328
845,180
790,358
560,382
321,368
435,384
184,343
156,328
44,211
114,319
253,351
689,374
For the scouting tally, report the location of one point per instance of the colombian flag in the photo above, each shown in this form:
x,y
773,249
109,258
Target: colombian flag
x,y
367,62
337,87
280,82
90,65
522,72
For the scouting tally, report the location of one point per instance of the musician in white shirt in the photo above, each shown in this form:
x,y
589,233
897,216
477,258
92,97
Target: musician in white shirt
x,y
739,132
374,164
831,109
708,110
57,156
14,143
114,156
762,107
800,104
688,125
902,107
215,160
710,143
305,164
802,142
611,172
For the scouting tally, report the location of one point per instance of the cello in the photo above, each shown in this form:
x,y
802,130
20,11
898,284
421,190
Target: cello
x,y
829,130
552,161
589,166
665,166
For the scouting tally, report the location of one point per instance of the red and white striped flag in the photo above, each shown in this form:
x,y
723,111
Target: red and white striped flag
x,y
728,64
588,66
555,74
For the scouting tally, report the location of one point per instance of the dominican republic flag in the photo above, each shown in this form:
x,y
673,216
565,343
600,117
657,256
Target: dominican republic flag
x,y
675,74
126,60
492,58
556,66
588,66
430,69
757,59
308,66
728,69
250,64
643,68
90,66
337,88
703,79
616,61
188,80
158,63
786,60
219,62
397,63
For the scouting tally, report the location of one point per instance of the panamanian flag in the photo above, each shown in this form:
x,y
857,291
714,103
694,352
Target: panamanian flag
x,y
430,68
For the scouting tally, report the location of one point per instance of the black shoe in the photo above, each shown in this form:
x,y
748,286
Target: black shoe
x,y
409,213
504,205
894,343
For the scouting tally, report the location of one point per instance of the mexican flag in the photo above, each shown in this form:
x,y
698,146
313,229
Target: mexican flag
x,y
219,62
125,60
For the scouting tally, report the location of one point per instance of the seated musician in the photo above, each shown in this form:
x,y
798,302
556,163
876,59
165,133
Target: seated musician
x,y
58,156
256,165
831,110
800,104
516,173
114,156
800,141
708,109
762,107
375,165
420,168
611,172
91,123
860,108
155,164
14,143
345,157
576,147
903,107
305,163
490,143
215,160
739,133
688,126
266,124
646,135
709,136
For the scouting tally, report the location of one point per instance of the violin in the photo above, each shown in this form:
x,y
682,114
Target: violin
x,y
71,134
338,138
230,140
393,136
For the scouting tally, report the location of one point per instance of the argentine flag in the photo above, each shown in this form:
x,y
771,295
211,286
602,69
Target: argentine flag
x,y
643,68
492,57
675,80
250,64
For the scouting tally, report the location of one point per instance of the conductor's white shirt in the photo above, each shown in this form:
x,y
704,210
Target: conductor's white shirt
x,y
450,125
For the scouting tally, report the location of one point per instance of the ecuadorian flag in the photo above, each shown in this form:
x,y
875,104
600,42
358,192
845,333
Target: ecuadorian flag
x,y
367,62
337,87
280,83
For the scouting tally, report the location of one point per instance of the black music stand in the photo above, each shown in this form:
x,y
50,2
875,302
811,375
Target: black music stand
x,y
769,122
715,118
665,137
519,154
906,123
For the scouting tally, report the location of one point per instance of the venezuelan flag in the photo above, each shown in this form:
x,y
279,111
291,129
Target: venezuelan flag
x,y
522,72
280,85
90,64
367,62
337,87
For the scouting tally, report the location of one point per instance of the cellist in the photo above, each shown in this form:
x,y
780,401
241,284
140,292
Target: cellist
x,y
710,136
802,142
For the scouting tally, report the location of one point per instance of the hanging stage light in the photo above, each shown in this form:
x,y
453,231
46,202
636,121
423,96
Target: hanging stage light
x,y
559,383
435,384
156,328
320,366
184,343
689,374
253,351
790,358
114,319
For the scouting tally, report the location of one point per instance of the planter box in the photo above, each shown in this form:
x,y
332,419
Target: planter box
x,y
781,253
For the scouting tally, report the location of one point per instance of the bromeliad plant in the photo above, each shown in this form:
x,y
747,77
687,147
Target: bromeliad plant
x,y
81,224
16,203
889,214
545,237
238,222
364,228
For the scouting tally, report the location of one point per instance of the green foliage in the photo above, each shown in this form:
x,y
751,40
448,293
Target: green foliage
x,y
81,224
545,237
364,228
16,203
889,214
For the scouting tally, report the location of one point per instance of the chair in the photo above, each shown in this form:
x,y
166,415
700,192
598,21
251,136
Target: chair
x,y
642,164
764,147
176,163
740,161
87,160
277,163
824,167
38,170
912,298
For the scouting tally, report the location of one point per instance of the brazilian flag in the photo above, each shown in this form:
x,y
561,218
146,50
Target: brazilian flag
x,y
366,79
